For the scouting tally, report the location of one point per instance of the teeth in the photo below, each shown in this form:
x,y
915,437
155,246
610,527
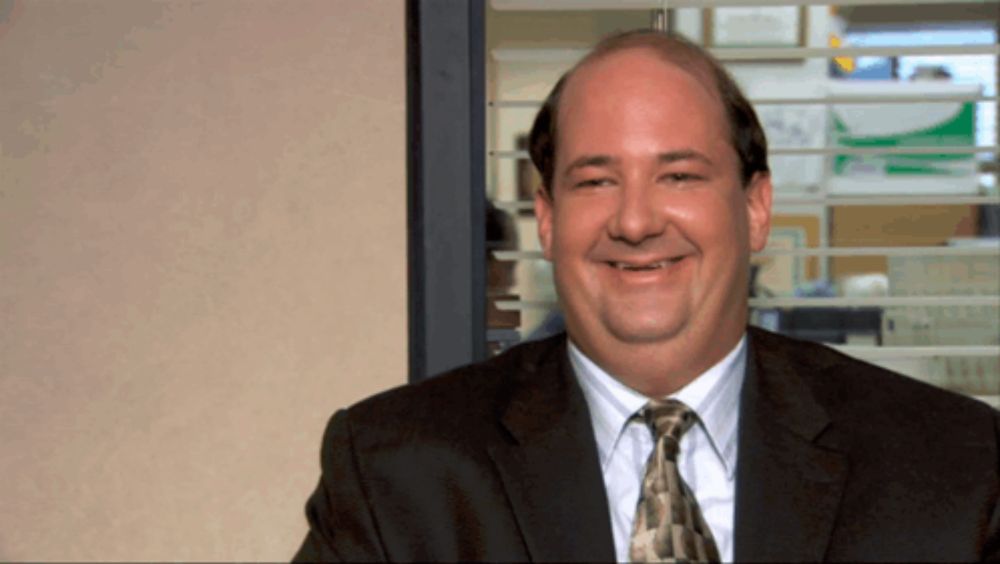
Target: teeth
x,y
651,266
641,267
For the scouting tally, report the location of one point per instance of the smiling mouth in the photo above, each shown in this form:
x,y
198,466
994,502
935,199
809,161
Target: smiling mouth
x,y
636,267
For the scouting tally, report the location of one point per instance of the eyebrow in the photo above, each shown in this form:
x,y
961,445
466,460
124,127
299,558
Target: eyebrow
x,y
590,160
683,155
663,158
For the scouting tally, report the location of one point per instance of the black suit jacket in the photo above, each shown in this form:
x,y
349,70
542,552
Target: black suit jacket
x,y
837,460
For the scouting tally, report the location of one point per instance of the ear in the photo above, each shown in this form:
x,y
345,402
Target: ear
x,y
758,199
543,213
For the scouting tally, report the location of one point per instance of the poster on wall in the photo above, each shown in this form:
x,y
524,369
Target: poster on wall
x,y
889,148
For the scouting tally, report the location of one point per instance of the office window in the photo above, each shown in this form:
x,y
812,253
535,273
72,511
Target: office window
x,y
881,119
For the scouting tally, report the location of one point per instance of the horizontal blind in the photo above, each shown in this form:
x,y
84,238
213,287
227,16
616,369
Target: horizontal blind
x,y
894,268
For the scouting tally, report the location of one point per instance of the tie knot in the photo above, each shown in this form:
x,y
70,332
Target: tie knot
x,y
668,419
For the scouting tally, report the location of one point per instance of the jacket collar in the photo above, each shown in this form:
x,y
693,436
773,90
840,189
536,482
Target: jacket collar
x,y
789,477
790,471
550,467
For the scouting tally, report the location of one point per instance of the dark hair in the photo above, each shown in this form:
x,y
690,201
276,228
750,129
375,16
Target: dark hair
x,y
746,133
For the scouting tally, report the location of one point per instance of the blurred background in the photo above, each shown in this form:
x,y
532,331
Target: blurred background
x,y
881,118
220,221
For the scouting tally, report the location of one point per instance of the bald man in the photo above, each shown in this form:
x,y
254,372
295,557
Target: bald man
x,y
659,426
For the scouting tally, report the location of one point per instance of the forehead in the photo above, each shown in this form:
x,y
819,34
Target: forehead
x,y
637,92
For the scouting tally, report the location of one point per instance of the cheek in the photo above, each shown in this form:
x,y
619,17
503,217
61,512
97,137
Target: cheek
x,y
575,227
706,217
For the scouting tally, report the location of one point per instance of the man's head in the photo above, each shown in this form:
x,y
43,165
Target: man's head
x,y
746,133
501,235
656,191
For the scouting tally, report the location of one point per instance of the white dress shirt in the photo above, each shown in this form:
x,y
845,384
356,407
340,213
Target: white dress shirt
x,y
707,458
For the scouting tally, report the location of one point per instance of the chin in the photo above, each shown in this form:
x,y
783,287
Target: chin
x,y
641,331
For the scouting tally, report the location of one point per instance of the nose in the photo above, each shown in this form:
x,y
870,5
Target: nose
x,y
636,217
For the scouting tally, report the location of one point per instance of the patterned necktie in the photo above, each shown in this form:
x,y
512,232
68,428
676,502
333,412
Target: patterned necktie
x,y
668,525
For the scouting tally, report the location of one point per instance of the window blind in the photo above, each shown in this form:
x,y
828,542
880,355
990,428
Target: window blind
x,y
884,242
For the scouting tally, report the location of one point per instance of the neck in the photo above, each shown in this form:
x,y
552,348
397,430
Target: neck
x,y
659,369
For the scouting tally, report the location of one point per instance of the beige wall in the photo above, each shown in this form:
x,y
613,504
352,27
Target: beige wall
x,y
202,254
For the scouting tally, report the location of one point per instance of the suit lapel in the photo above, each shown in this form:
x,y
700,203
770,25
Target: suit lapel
x,y
550,469
788,484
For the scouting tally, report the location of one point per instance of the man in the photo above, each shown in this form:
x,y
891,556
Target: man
x,y
661,427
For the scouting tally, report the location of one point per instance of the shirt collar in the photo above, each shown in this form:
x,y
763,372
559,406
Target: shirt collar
x,y
713,395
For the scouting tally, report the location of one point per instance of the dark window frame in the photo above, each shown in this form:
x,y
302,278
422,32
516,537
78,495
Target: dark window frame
x,y
446,195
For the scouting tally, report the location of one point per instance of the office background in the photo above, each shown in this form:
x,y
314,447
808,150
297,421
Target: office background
x,y
881,121
222,220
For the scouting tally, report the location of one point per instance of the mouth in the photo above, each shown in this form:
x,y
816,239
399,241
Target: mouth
x,y
644,267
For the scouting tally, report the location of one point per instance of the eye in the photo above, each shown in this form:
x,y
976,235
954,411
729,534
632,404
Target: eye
x,y
680,177
593,182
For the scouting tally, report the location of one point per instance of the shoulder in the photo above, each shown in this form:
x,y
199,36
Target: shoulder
x,y
460,404
871,398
